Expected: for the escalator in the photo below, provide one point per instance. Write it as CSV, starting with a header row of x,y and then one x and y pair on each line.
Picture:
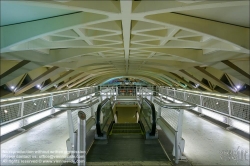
x,y
126,143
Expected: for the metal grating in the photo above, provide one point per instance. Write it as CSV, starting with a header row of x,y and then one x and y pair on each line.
x,y
10,112
73,95
215,104
83,92
171,93
179,95
59,99
240,110
36,105
171,116
195,99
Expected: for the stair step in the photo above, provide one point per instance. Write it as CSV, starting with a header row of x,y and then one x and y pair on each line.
x,y
129,128
126,131
126,128
126,124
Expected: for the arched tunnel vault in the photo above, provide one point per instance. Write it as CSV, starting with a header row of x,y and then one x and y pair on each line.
x,y
200,45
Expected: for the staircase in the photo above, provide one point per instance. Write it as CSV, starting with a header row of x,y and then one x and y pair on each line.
x,y
126,145
126,128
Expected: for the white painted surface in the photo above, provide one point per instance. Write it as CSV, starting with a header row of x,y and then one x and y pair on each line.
x,y
50,135
209,144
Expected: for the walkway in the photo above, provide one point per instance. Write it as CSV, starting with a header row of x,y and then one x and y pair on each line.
x,y
206,143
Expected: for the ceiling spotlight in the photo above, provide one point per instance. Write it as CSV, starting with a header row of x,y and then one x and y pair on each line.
x,y
38,86
5,111
12,87
238,86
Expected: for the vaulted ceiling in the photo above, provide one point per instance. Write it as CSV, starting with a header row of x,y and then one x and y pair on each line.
x,y
53,45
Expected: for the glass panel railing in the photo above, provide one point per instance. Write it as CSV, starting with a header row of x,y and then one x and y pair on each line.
x,y
104,117
148,117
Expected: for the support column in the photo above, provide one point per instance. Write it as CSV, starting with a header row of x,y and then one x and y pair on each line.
x,y
51,105
81,144
21,115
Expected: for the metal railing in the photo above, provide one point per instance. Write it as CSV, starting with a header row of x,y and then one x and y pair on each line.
x,y
104,117
18,112
170,119
226,110
76,140
231,108
148,118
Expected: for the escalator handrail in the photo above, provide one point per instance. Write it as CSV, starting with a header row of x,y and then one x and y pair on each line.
x,y
98,117
152,107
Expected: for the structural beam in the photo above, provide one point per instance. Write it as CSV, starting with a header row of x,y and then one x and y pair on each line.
x,y
126,7
18,71
180,78
196,80
80,81
239,36
219,82
49,73
10,35
236,68
71,80
60,79
14,68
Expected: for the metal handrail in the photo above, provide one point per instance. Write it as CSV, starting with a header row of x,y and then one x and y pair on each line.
x,y
175,105
152,107
48,94
73,106
98,117
208,108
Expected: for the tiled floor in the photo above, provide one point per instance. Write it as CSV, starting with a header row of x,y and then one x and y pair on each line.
x,y
206,143
50,135
209,144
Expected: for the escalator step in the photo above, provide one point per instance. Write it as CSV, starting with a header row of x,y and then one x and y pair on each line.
x,y
126,131
126,127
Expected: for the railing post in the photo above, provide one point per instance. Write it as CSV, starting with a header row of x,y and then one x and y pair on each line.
x,y
117,91
159,112
21,115
174,96
92,108
78,95
86,91
151,96
67,94
199,107
176,148
100,95
78,92
136,92
81,143
229,110
75,147
71,129
51,105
